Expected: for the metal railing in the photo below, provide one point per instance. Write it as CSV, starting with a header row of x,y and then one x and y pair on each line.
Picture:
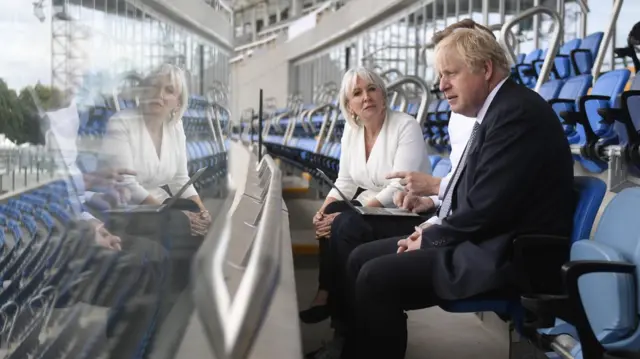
x,y
558,33
424,98
232,323
606,39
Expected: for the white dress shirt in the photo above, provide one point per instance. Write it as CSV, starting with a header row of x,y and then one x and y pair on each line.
x,y
399,147
459,134
128,144
61,140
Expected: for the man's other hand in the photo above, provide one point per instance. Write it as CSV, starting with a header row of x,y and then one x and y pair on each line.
x,y
413,203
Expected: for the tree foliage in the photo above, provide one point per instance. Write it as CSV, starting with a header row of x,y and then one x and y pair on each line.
x,y
19,120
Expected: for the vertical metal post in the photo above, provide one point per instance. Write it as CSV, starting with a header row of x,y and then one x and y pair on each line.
x,y
536,26
260,128
201,65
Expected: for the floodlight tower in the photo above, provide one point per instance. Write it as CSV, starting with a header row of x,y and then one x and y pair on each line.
x,y
68,57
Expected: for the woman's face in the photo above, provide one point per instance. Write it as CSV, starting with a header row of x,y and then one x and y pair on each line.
x,y
162,97
366,100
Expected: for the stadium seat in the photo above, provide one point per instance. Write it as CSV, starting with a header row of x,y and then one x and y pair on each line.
x,y
593,132
601,300
590,192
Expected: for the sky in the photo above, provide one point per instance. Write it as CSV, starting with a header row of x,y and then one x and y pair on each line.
x,y
26,45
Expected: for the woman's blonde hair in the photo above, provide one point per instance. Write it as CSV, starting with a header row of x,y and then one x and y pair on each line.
x,y
178,79
475,47
348,83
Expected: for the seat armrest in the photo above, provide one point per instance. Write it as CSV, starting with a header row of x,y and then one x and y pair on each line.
x,y
571,273
538,260
543,309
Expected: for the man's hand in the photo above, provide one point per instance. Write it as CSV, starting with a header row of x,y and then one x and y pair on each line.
x,y
104,238
413,203
417,183
105,178
414,241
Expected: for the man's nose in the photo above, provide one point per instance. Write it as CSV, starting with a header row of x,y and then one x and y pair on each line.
x,y
444,85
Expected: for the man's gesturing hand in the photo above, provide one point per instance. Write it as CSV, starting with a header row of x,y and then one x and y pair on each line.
x,y
417,183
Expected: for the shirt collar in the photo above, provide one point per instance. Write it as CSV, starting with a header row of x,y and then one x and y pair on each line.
x,y
488,100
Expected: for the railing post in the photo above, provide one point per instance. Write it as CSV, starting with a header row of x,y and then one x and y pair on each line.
x,y
260,119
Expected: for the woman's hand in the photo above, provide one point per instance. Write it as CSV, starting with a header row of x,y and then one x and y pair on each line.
x,y
199,222
317,218
323,227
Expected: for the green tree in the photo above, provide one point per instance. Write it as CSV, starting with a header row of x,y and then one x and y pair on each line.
x,y
49,99
11,113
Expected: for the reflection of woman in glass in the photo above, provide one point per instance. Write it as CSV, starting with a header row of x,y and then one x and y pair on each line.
x,y
151,140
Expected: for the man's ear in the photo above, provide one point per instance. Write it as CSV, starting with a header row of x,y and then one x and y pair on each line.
x,y
488,70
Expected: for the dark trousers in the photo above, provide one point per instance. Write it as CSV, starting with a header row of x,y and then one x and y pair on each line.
x,y
349,231
382,226
381,286
324,255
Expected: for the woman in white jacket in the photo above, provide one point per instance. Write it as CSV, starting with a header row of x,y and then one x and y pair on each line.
x,y
376,141
151,140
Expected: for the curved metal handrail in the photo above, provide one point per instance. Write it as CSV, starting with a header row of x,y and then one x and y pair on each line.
x,y
233,324
312,112
512,38
424,100
553,48
391,71
606,39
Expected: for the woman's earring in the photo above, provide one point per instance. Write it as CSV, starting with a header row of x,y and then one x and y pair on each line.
x,y
173,114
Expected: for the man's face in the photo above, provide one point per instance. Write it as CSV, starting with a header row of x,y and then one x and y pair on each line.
x,y
465,89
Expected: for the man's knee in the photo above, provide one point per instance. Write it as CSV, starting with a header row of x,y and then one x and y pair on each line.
x,y
357,260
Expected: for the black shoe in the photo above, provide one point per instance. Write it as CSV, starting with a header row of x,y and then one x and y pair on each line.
x,y
315,314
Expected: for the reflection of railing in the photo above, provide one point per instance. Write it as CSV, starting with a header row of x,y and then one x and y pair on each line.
x,y
24,167
232,321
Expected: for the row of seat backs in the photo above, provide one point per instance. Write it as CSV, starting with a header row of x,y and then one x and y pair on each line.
x,y
200,149
93,120
574,58
610,85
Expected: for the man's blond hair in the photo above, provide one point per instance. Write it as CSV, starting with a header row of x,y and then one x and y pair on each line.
x,y
474,47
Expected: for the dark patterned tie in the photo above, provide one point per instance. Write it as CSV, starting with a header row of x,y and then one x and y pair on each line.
x,y
448,196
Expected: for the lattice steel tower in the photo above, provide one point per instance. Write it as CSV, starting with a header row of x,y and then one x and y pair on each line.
x,y
68,56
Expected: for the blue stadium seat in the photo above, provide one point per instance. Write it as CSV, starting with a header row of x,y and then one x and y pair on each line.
x,y
434,161
590,192
601,300
550,89
592,130
442,168
568,99
582,58
522,69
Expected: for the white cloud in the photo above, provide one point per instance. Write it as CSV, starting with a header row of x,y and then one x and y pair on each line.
x,y
26,45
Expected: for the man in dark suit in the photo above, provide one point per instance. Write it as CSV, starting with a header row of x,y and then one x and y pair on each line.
x,y
514,178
